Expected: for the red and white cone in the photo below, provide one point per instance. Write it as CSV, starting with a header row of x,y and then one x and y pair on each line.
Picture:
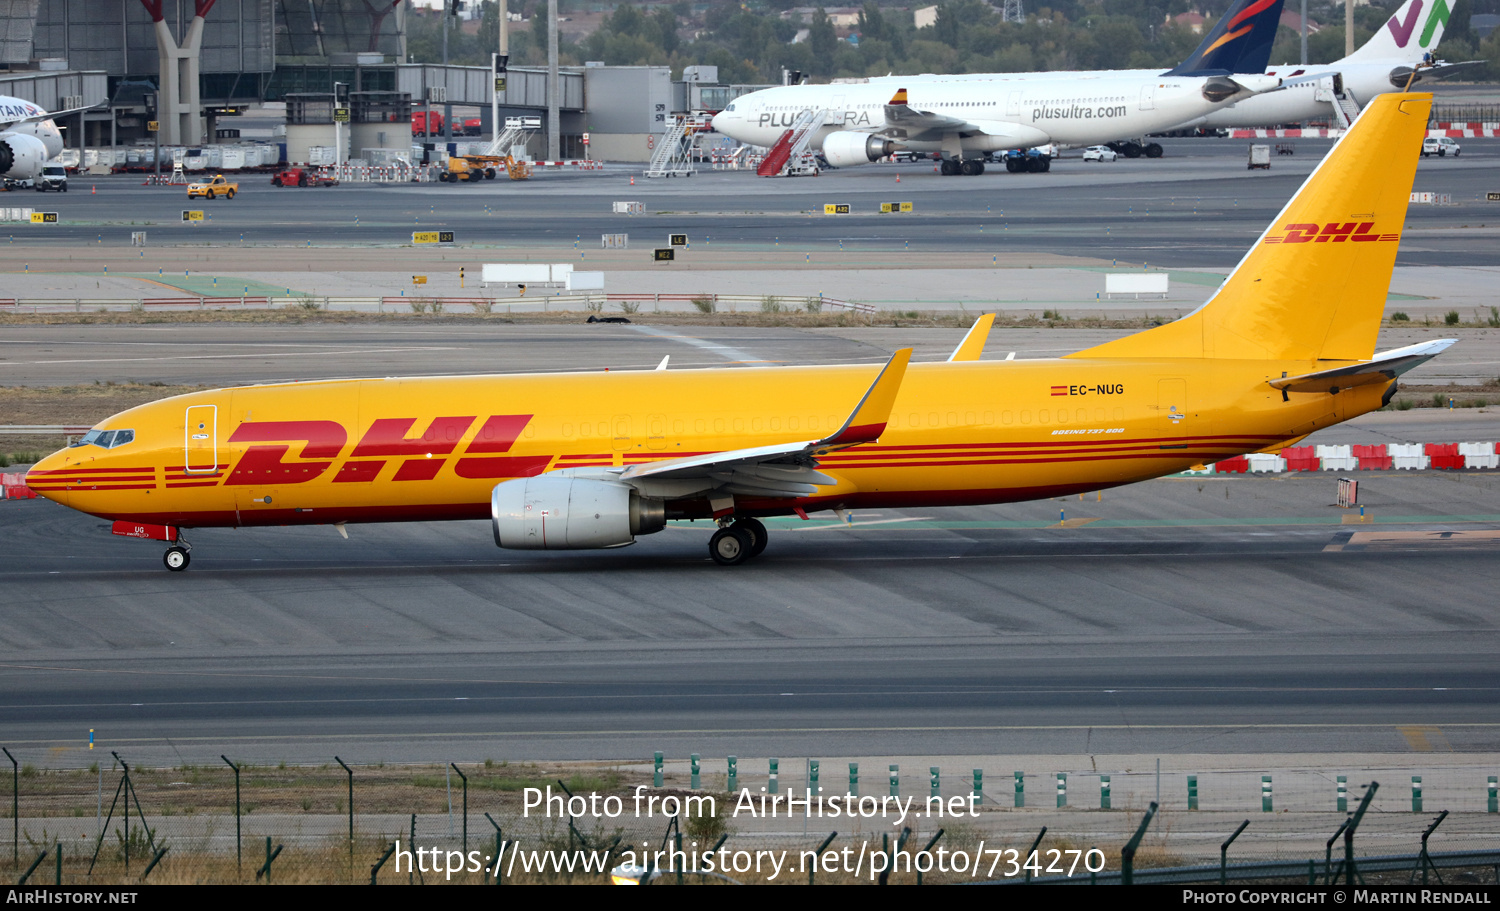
x,y
632,180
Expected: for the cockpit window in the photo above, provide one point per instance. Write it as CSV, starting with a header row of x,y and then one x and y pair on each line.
x,y
106,439
730,108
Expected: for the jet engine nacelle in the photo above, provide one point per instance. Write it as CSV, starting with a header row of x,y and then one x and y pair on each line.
x,y
1222,88
562,513
21,156
847,148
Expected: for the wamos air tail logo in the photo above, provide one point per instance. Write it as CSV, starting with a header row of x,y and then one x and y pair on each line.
x,y
1333,232
1402,31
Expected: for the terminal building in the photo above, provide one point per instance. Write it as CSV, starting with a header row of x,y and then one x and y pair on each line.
x,y
192,67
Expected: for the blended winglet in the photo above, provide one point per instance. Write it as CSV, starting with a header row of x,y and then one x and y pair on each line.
x,y
973,344
867,422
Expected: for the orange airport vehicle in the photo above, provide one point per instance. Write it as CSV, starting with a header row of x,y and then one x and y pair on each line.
x,y
216,187
589,460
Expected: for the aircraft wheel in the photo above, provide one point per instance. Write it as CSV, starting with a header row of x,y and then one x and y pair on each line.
x,y
757,532
1132,150
968,167
1154,150
176,559
949,167
730,546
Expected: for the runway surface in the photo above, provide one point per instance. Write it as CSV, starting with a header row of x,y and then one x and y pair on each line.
x,y
1198,207
1198,615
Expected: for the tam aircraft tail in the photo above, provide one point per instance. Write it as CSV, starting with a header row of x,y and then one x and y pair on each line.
x,y
1314,286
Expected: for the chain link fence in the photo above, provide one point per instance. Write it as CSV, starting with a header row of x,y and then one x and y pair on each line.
x,y
238,822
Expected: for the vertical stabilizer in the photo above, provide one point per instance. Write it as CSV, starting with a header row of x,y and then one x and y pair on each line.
x,y
1240,42
1414,29
1314,285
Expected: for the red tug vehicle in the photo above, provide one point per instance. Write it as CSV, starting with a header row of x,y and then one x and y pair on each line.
x,y
303,177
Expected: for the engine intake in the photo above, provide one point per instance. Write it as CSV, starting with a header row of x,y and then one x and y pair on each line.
x,y
847,148
562,513
21,156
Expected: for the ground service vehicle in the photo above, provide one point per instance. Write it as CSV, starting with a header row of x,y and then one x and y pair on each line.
x,y
426,123
214,188
303,177
54,177
1441,146
1260,157
475,168
592,459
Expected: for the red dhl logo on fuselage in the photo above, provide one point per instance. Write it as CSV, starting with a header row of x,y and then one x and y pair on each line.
x,y
420,458
1333,232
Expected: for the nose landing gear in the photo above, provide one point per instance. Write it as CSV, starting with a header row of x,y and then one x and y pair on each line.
x,y
177,556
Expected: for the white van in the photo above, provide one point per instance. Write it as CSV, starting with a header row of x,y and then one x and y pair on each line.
x,y
54,177
1441,146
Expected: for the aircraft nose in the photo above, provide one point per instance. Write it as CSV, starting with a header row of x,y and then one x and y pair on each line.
x,y
718,121
45,477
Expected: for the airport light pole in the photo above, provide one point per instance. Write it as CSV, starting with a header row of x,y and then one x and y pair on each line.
x,y
553,139
338,143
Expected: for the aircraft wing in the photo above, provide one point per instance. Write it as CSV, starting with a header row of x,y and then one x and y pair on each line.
x,y
781,469
1383,367
1440,70
902,121
45,115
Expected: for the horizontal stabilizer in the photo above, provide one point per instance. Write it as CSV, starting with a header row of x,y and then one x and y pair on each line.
x,y
1382,368
973,344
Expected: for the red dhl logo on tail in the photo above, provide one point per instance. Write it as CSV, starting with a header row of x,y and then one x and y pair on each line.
x,y
1333,232
421,457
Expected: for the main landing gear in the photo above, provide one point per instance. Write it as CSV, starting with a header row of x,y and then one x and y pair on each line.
x,y
737,541
969,167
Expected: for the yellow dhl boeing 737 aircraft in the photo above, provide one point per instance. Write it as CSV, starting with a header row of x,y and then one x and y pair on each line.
x,y
590,460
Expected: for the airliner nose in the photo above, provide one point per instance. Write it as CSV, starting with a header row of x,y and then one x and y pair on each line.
x,y
44,480
719,121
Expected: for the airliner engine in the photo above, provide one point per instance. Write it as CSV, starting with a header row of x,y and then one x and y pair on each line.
x,y
847,148
21,156
562,513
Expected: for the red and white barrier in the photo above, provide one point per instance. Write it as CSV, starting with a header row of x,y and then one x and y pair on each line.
x,y
13,486
1454,130
1365,457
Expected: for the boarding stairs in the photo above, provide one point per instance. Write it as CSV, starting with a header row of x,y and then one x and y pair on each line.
x,y
673,156
1345,109
790,156
515,134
